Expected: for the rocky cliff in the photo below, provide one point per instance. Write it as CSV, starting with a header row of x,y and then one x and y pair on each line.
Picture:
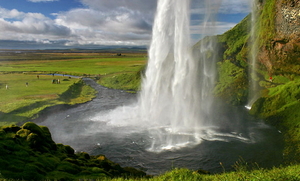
x,y
280,52
277,41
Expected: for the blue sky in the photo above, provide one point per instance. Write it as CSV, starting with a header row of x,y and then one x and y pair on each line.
x,y
90,23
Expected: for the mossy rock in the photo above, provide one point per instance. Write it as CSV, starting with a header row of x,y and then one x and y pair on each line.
x,y
23,133
28,153
11,128
49,162
97,170
83,156
68,167
33,172
34,128
69,150
4,163
72,160
62,176
34,140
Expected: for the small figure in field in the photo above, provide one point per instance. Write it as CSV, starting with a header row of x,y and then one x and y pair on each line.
x,y
38,77
271,79
26,84
6,86
53,81
58,81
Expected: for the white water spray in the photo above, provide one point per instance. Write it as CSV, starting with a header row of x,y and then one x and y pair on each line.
x,y
176,92
176,107
253,86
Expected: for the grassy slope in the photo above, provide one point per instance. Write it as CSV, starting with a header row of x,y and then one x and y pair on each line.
x,y
232,85
20,102
279,103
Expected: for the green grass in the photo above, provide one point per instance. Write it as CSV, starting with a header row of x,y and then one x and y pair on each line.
x,y
266,24
232,84
280,106
81,64
20,102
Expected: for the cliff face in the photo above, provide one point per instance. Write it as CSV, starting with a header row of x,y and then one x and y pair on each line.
x,y
281,52
277,30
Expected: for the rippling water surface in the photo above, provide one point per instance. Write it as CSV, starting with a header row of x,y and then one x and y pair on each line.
x,y
97,128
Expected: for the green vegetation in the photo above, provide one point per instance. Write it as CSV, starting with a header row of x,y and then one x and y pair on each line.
x,y
81,64
130,81
21,103
266,23
232,85
235,42
279,101
280,107
29,153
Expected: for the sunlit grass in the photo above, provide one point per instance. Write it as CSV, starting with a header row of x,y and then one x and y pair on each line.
x,y
82,64
20,102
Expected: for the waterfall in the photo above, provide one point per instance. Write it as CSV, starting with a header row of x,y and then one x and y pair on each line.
x,y
176,96
253,86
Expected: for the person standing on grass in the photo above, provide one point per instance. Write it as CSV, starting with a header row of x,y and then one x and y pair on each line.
x,y
26,84
6,86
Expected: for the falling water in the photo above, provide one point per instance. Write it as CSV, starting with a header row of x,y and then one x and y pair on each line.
x,y
176,92
175,111
253,86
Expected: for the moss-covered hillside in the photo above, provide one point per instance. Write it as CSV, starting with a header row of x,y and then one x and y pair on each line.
x,y
29,153
277,42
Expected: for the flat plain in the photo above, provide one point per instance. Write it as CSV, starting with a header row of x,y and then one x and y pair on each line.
x,y
26,78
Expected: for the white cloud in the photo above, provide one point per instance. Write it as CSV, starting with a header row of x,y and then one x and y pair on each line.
x,y
211,28
121,25
134,5
4,13
221,6
27,26
235,6
125,22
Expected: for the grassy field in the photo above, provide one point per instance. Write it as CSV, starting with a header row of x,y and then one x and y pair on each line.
x,y
19,102
72,63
